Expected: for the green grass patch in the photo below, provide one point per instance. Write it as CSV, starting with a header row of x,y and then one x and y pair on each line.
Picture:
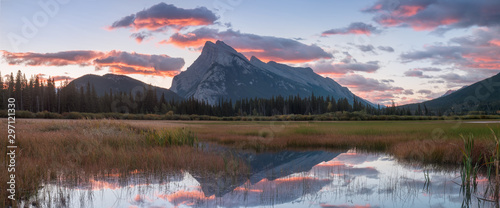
x,y
308,131
164,137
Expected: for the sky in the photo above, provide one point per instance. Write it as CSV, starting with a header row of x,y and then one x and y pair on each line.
x,y
404,51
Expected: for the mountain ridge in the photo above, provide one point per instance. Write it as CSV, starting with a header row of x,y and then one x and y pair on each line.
x,y
120,83
478,96
220,72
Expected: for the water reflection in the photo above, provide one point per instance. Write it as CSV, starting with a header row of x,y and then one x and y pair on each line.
x,y
269,166
282,179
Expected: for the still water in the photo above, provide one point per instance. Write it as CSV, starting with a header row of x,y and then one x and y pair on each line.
x,y
281,179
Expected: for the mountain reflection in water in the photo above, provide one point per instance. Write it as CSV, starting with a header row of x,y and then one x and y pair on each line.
x,y
280,179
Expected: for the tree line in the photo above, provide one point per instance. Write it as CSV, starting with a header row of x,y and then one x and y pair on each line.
x,y
37,95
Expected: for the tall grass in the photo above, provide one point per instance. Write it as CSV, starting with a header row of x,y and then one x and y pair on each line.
x,y
407,140
471,168
73,150
493,170
164,137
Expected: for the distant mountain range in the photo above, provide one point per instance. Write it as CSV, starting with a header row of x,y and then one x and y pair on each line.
x,y
480,96
120,83
220,72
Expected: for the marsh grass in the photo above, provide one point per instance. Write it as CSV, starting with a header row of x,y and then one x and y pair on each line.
x,y
407,140
308,131
78,149
472,167
165,137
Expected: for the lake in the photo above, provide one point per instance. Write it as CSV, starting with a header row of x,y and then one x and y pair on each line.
x,y
340,179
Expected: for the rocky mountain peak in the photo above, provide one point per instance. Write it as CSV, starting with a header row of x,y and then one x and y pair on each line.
x,y
220,72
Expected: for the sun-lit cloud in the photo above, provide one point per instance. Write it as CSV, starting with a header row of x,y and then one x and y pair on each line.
x,y
474,54
119,62
82,58
162,15
353,28
134,63
266,48
439,15
141,36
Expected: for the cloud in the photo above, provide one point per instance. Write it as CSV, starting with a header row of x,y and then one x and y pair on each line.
x,y
416,73
328,67
266,48
370,66
456,78
117,61
428,69
362,84
141,36
386,48
439,15
353,28
439,54
134,63
436,82
348,58
82,58
426,92
162,15
408,92
62,78
366,48
473,52
376,91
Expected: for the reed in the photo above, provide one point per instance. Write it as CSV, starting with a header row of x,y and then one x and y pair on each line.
x,y
79,149
470,168
163,137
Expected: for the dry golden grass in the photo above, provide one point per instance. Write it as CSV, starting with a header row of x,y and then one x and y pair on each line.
x,y
63,148
421,141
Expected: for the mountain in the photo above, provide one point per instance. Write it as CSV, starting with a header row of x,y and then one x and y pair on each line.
x,y
452,91
448,92
119,83
480,96
220,72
